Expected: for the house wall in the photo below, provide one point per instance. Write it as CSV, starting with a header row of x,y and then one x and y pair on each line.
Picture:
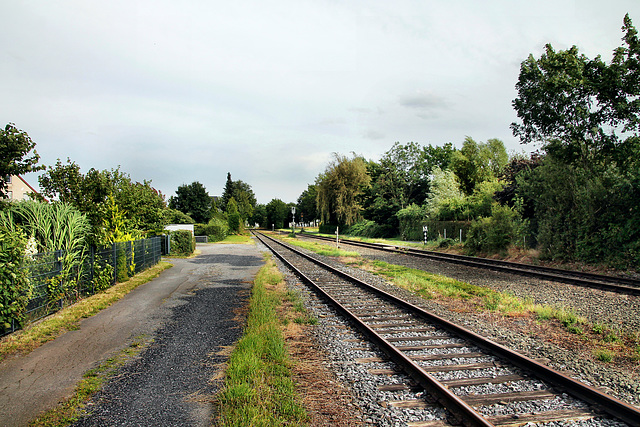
x,y
18,188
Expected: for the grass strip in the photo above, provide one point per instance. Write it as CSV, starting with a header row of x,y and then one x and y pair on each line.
x,y
320,249
69,318
259,389
69,411
236,239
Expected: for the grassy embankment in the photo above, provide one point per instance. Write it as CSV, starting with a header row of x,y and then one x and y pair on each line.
x,y
606,341
236,238
259,389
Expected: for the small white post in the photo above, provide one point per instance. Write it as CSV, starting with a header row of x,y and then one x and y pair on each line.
x,y
337,240
461,235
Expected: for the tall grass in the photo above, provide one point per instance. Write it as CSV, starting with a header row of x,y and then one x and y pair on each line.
x,y
259,390
55,226
321,249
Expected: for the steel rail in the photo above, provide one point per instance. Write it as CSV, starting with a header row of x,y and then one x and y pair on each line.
x,y
613,406
610,283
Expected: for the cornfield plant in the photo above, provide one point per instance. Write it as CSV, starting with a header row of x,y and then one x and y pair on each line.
x,y
56,226
53,227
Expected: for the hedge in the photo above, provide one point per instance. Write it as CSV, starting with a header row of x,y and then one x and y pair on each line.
x,y
182,242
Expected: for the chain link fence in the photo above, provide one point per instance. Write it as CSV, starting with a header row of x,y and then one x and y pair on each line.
x,y
55,284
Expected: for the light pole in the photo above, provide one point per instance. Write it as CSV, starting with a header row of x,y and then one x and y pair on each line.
x,y
293,212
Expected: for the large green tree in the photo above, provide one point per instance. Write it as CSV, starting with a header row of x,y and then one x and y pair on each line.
x,y
585,113
277,213
340,188
259,216
477,162
306,208
243,195
581,109
17,155
401,178
193,200
445,201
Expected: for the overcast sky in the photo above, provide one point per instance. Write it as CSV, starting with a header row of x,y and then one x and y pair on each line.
x,y
183,91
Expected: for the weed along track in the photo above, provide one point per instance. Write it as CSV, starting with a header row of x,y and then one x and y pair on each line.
x,y
433,372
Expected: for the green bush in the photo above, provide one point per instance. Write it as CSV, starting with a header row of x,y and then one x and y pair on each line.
x,y
411,219
102,276
199,229
367,228
182,242
493,234
58,288
173,216
217,229
445,243
121,262
235,223
328,229
15,289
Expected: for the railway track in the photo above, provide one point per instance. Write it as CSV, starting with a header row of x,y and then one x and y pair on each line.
x,y
457,368
624,285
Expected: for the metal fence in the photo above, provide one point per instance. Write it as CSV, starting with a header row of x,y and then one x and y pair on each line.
x,y
99,269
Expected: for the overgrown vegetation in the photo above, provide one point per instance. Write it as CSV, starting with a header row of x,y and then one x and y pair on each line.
x,y
573,200
15,289
339,188
216,229
104,197
258,389
321,249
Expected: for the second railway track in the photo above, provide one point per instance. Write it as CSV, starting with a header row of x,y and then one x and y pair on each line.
x,y
457,368
625,285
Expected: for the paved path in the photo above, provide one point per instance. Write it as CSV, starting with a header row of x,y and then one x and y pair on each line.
x,y
189,312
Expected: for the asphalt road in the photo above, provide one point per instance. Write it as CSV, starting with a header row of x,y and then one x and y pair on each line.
x,y
189,313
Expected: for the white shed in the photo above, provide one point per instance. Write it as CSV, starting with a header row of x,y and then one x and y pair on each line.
x,y
175,227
